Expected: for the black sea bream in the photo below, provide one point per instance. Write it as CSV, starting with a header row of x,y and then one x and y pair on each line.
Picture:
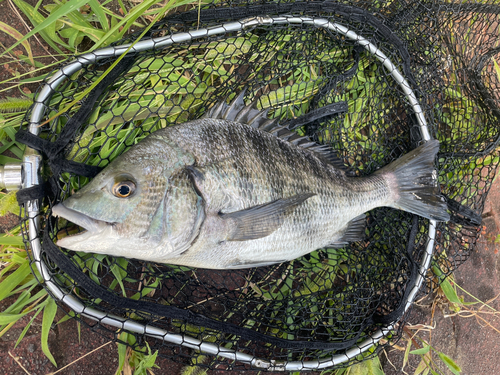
x,y
232,190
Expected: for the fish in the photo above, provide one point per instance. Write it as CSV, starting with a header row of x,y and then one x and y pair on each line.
x,y
235,189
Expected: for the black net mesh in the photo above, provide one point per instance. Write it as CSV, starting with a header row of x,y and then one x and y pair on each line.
x,y
331,303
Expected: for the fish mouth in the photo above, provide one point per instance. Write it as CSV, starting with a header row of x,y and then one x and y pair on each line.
x,y
92,227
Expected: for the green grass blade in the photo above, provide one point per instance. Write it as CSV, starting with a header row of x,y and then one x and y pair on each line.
x,y
421,351
9,318
25,330
49,314
126,22
6,160
122,351
454,368
36,18
70,6
37,296
114,33
19,304
446,286
11,241
369,367
13,280
8,203
119,271
101,16
74,16
94,34
18,36
96,82
66,317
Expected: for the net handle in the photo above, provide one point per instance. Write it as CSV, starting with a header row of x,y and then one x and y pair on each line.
x,y
32,162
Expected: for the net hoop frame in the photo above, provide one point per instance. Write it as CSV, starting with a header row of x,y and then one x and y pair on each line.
x,y
32,162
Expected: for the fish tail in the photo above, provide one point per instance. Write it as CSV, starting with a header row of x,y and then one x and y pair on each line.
x,y
413,183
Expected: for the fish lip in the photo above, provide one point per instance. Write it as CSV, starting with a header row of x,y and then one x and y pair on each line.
x,y
86,222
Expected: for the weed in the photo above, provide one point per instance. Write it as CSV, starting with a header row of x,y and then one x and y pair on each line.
x,y
70,27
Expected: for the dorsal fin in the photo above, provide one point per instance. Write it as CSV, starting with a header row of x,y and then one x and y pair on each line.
x,y
250,115
239,112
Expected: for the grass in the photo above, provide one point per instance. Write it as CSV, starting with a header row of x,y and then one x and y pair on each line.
x,y
452,299
66,27
180,82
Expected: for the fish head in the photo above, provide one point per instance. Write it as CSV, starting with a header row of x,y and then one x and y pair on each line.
x,y
122,210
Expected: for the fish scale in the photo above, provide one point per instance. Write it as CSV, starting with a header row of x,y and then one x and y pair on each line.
x,y
283,179
218,193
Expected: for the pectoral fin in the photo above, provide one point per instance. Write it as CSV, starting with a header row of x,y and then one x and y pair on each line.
x,y
260,221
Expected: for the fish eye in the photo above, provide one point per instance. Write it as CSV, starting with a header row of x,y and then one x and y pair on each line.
x,y
123,189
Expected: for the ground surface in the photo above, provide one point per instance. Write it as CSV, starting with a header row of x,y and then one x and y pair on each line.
x,y
470,341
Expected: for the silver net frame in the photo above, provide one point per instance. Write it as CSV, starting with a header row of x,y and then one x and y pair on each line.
x,y
32,162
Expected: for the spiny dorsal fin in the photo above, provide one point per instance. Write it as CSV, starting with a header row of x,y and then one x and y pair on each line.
x,y
247,114
239,112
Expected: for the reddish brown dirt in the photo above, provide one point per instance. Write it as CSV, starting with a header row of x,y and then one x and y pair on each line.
x,y
10,67
473,343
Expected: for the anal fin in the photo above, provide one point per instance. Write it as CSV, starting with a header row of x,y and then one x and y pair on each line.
x,y
355,231
262,220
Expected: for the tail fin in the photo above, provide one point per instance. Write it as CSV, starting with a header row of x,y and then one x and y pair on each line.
x,y
413,181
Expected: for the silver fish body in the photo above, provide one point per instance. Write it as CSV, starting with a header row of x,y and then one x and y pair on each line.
x,y
237,192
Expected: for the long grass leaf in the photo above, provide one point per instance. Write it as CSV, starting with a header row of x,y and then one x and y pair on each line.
x,y
74,16
49,313
36,18
6,269
122,353
446,286
28,309
42,293
96,82
421,351
452,366
70,6
19,304
91,32
114,33
13,280
101,16
19,82
18,36
25,330
52,33
9,318
11,241
126,22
